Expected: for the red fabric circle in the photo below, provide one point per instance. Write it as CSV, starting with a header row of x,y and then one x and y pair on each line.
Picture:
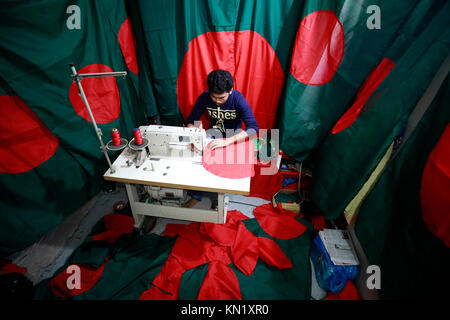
x,y
102,95
248,57
127,44
319,48
235,161
26,141
435,189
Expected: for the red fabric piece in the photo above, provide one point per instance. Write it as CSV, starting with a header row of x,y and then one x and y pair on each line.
x,y
278,222
89,277
318,222
350,292
235,161
435,189
174,229
255,60
127,44
369,86
318,49
219,245
265,186
271,253
13,268
102,95
26,141
116,225
220,276
245,250
190,250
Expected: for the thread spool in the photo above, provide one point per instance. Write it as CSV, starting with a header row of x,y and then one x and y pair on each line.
x,y
137,136
115,136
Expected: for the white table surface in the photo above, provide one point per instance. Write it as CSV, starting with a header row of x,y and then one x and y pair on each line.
x,y
174,173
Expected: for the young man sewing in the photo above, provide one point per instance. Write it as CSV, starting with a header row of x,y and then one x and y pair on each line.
x,y
227,109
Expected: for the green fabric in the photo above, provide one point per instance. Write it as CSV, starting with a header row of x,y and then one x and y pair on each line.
x,y
346,160
266,282
390,227
36,49
135,260
286,197
191,281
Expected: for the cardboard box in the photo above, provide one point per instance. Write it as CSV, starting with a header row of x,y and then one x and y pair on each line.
x,y
296,207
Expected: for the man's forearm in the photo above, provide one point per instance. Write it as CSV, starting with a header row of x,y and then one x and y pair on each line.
x,y
241,136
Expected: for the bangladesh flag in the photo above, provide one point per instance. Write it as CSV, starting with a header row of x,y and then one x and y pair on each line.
x,y
50,162
337,46
379,114
185,40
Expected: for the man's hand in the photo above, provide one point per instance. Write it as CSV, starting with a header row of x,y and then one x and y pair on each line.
x,y
219,143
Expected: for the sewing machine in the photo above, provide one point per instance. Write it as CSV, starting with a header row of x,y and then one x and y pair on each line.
x,y
175,142
169,164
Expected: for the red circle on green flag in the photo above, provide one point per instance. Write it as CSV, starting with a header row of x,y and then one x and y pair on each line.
x,y
102,95
26,141
435,189
235,161
247,56
127,44
319,48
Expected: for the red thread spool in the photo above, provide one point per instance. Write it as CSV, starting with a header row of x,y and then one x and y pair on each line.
x,y
137,136
115,136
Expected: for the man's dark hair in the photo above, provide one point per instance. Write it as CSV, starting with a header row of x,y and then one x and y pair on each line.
x,y
219,81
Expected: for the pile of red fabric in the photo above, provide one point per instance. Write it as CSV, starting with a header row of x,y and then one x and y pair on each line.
x,y
219,245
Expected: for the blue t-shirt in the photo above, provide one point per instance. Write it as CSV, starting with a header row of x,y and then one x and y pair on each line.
x,y
228,116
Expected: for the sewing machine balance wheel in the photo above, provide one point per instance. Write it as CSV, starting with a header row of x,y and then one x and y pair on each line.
x,y
111,147
134,146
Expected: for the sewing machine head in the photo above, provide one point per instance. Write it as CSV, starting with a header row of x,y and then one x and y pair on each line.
x,y
175,142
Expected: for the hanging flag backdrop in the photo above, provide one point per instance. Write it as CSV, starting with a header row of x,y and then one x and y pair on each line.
x,y
185,40
339,78
347,157
50,162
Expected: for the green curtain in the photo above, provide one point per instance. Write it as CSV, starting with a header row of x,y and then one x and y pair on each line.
x,y
36,48
390,226
345,160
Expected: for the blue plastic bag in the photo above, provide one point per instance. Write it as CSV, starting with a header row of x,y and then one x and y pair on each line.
x,y
330,276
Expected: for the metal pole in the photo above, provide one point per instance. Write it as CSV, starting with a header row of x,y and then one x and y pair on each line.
x,y
78,77
102,74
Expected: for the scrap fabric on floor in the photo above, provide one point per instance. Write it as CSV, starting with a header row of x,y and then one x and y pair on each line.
x,y
118,265
236,260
